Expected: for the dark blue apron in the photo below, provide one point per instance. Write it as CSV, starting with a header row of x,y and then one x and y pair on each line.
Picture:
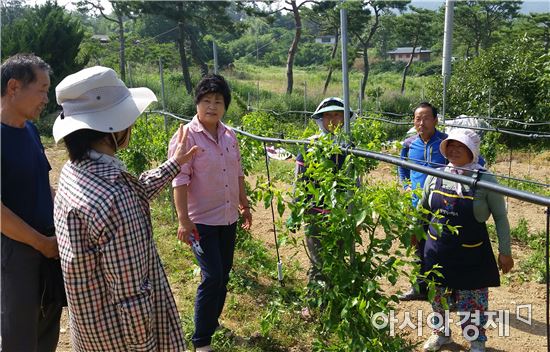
x,y
466,258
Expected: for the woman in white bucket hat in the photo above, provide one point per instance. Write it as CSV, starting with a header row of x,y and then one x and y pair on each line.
x,y
329,116
118,294
465,258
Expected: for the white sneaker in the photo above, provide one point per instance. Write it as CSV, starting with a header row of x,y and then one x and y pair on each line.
x,y
435,342
477,346
204,349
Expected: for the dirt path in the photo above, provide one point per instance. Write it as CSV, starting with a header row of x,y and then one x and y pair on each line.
x,y
521,336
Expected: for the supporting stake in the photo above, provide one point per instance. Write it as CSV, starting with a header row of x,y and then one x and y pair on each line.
x,y
279,262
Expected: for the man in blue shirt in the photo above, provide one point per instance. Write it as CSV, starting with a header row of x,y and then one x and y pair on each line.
x,y
422,149
30,315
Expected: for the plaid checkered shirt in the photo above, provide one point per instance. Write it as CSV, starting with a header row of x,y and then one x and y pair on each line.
x,y
119,296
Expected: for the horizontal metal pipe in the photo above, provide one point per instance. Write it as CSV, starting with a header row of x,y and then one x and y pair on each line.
x,y
470,181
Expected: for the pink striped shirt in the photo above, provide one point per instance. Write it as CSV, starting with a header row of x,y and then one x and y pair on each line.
x,y
212,176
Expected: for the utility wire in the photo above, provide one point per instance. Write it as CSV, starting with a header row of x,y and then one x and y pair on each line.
x,y
465,116
282,113
512,121
513,132
275,37
528,134
387,113
128,44
291,141
479,171
470,181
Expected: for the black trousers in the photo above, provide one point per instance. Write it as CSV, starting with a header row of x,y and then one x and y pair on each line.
x,y
218,244
28,322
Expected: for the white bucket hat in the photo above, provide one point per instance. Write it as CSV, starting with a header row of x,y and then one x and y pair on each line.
x,y
465,136
94,98
329,104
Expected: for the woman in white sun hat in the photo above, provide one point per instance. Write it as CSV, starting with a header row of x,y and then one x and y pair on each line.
x,y
118,294
466,258
328,116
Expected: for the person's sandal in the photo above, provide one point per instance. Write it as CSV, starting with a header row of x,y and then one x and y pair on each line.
x,y
413,295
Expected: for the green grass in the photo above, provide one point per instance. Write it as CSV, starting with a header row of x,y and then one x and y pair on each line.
x,y
532,267
311,82
261,314
521,231
279,170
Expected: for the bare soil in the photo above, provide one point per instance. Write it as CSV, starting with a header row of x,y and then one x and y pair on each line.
x,y
509,297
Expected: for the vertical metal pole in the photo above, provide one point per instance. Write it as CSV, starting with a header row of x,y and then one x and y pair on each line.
x,y
447,53
215,53
360,105
489,108
444,107
345,78
509,165
345,86
305,103
257,54
529,166
147,126
258,92
130,75
161,72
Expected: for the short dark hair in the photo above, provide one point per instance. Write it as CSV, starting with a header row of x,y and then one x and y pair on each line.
x,y
213,83
425,104
21,67
79,142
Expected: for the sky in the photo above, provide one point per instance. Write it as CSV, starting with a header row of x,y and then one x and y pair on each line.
x,y
527,6
68,4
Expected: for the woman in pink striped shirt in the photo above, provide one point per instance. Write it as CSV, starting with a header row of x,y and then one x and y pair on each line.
x,y
209,194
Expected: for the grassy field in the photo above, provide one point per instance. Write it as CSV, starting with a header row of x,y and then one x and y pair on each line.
x,y
311,81
264,87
